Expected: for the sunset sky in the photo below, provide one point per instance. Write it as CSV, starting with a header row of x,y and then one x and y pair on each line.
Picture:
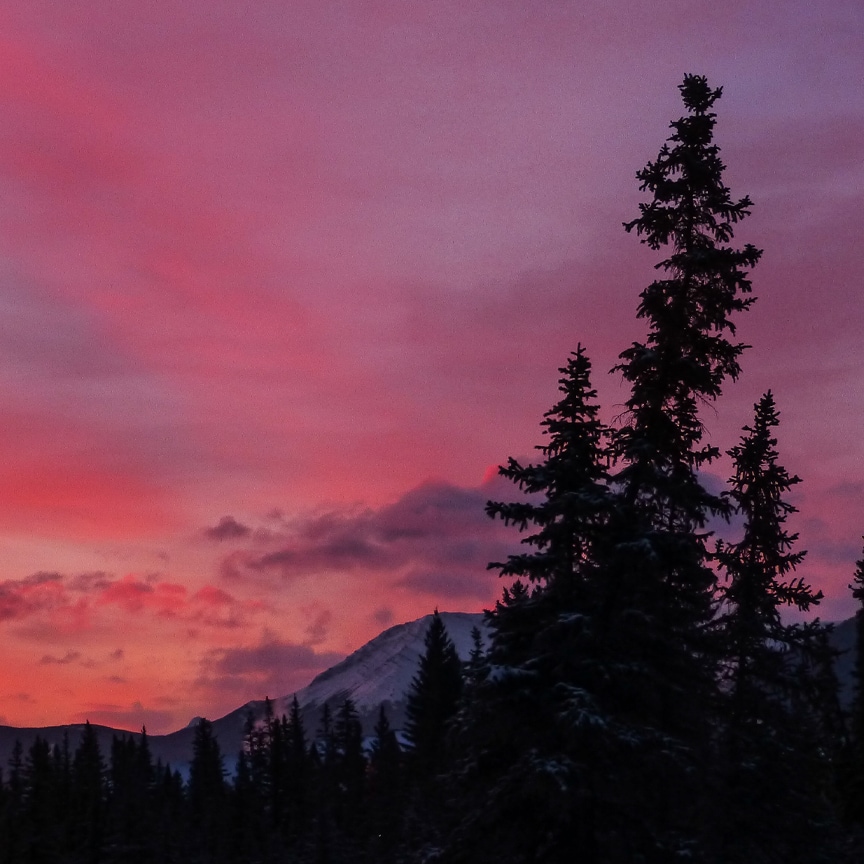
x,y
282,282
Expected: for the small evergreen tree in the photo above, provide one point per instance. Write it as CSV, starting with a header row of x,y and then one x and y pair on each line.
x,y
852,779
385,789
772,758
433,699
41,816
87,824
297,770
207,794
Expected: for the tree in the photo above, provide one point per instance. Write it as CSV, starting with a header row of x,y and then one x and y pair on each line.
x,y
87,824
529,696
433,699
853,778
572,481
385,789
130,806
297,770
773,757
207,793
42,815
659,584
350,774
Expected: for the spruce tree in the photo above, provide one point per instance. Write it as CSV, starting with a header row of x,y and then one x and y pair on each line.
x,y
297,769
773,769
853,774
87,823
207,795
41,813
659,585
527,731
433,699
385,789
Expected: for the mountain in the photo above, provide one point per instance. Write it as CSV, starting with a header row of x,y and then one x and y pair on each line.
x,y
379,672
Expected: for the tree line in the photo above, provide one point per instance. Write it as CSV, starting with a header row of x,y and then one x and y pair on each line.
x,y
332,795
645,696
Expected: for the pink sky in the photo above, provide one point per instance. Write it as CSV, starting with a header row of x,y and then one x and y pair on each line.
x,y
282,282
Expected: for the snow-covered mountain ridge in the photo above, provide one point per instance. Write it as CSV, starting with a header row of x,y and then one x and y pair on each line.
x,y
382,670
378,673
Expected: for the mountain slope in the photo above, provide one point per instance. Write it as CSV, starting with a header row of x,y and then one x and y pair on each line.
x,y
378,673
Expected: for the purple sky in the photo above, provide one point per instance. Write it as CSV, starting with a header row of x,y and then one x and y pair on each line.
x,y
283,282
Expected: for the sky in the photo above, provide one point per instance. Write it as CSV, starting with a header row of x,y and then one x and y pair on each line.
x,y
282,283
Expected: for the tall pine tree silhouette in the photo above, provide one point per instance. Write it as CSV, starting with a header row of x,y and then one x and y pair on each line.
x,y
660,587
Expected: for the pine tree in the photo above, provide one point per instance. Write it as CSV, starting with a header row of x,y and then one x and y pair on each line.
x,y
772,758
297,770
572,480
853,775
433,699
659,585
88,781
12,835
41,813
350,773
526,735
207,794
385,789
760,566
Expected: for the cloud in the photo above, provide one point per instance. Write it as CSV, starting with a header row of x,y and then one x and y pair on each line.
x,y
227,529
436,538
133,595
68,657
210,606
450,585
272,667
383,616
316,632
70,602
21,598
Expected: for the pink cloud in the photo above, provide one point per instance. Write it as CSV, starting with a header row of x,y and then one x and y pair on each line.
x,y
21,598
435,539
272,666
